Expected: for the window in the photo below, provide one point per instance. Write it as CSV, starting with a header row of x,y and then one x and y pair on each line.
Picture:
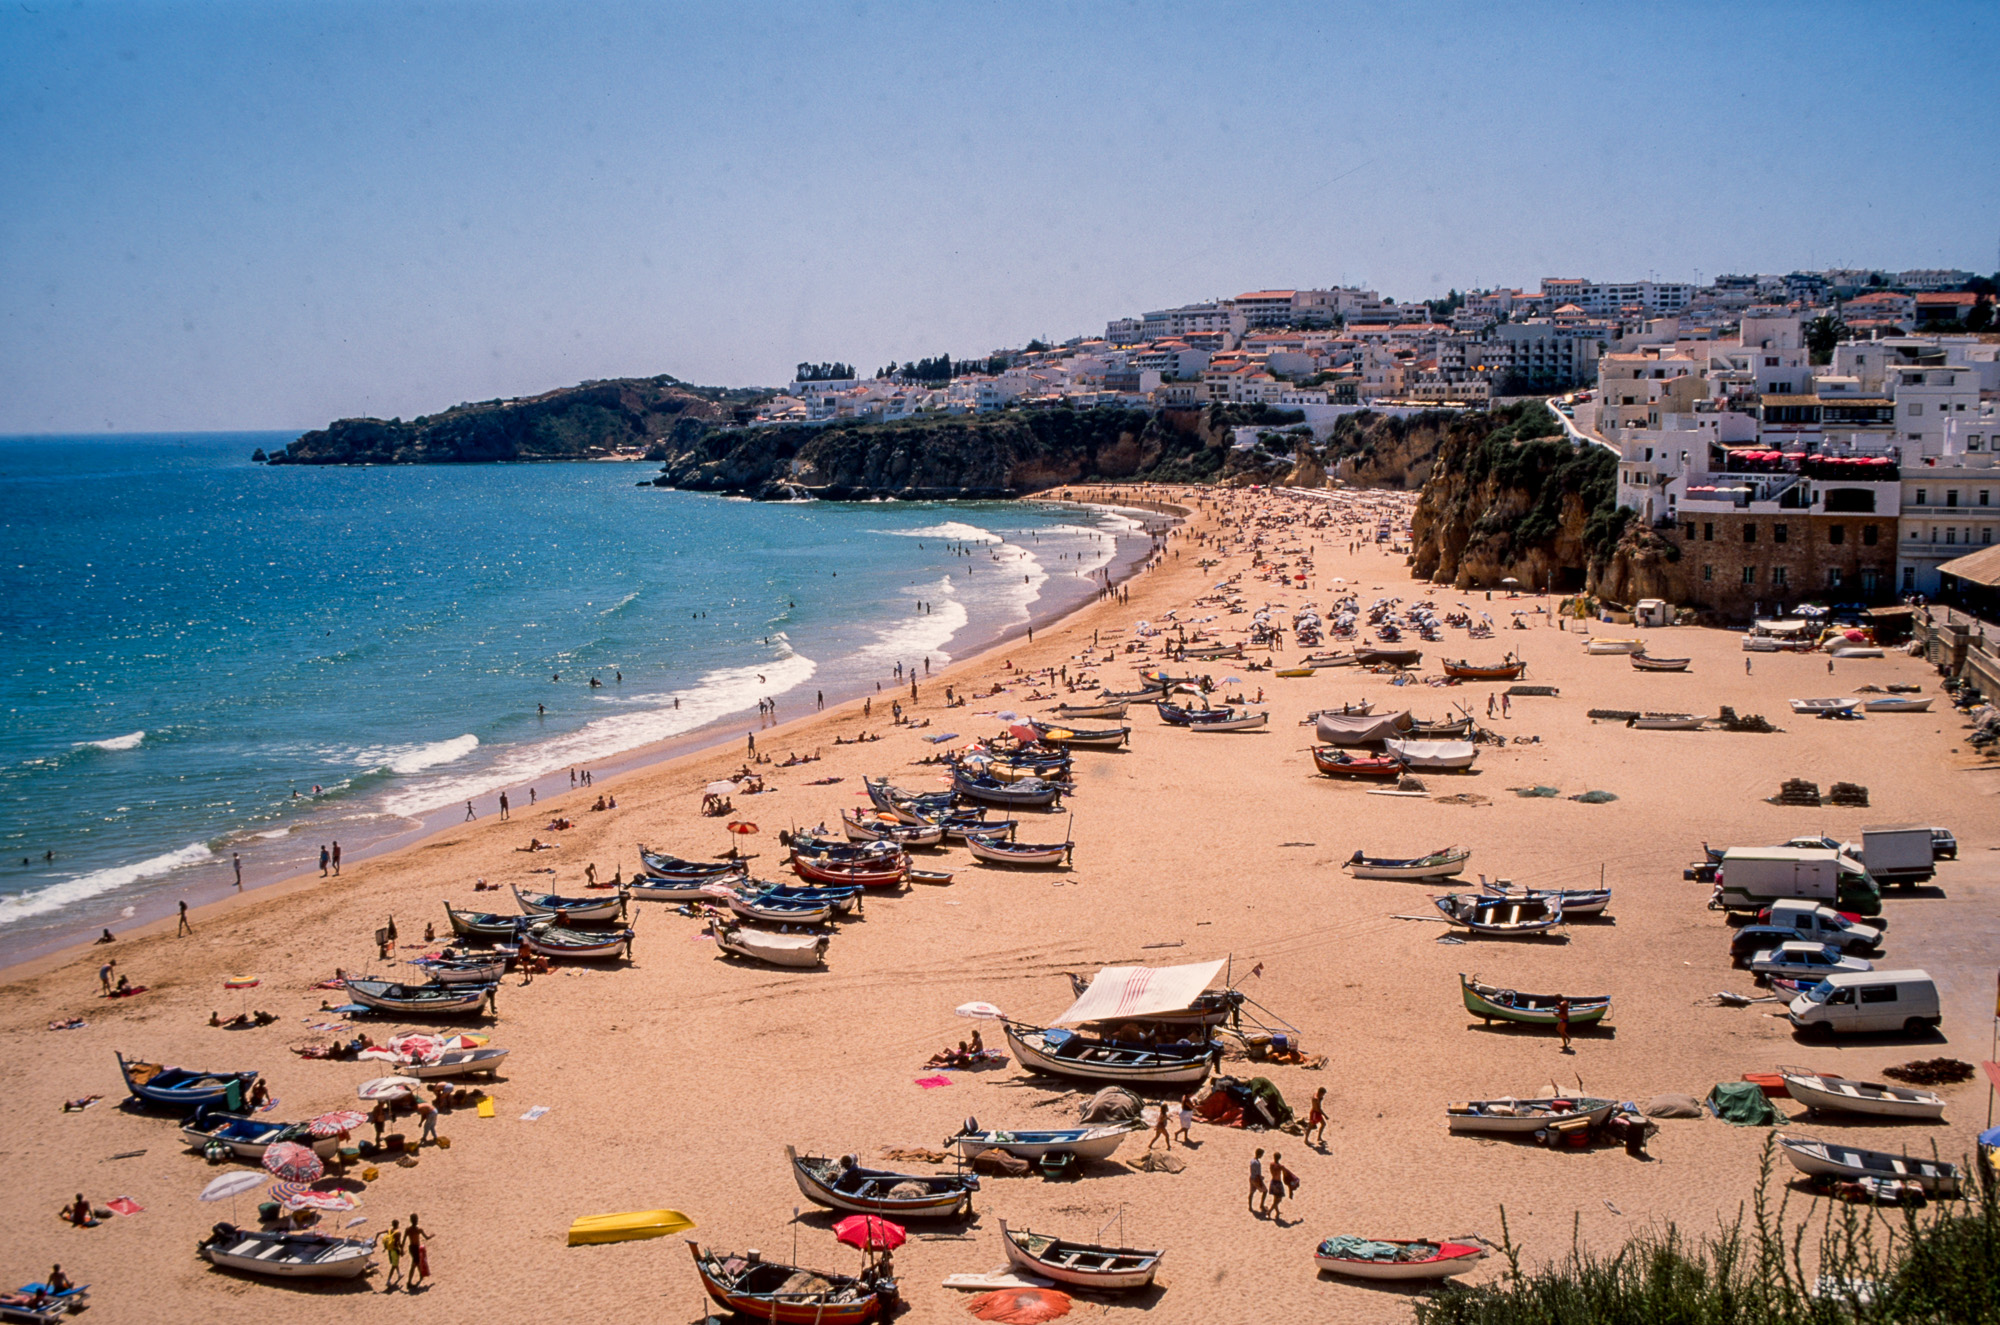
x,y
1916,408
1923,497
1770,361
1909,576
1833,577
1951,496
1878,993
1982,496
1836,534
1707,532
1780,532
1689,527
1749,575
1708,572
1986,536
1749,533
1951,533
1778,577
1868,535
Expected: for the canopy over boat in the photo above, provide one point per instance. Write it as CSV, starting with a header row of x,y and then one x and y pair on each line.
x,y
1122,992
1360,728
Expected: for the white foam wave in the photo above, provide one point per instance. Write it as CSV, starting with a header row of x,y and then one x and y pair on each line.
x,y
925,634
129,741
951,530
84,886
430,756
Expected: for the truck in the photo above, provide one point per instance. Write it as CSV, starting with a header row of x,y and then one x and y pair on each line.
x,y
1898,854
1752,878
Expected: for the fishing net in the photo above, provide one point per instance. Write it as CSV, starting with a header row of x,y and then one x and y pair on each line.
x,y
1545,792
1595,797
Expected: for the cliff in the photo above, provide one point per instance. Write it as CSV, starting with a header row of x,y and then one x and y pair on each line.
x,y
625,415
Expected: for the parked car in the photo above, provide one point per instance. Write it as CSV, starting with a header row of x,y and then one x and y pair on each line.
x,y
1943,845
1802,960
1750,940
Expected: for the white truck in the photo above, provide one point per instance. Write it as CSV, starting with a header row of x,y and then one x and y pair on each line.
x,y
1892,854
1752,878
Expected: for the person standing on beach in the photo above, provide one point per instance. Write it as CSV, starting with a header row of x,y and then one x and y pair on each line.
x,y
104,975
1746,667
185,927
392,1247
751,737
1257,1193
1562,1023
819,700
420,1261
1160,1130
531,797
236,858
1316,1119
1187,1120
324,859
336,860
469,815
503,807
1280,1182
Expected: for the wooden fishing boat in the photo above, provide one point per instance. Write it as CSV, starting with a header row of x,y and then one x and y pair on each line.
x,y
1492,1004
762,945
419,1000
1437,865
1824,1094
1096,738
1295,671
1643,663
1337,763
816,845
1000,851
486,925
1080,1264
841,897
961,824
1361,1258
1099,1142
466,970
775,909
1175,715
574,945
934,878
1229,720
1606,644
248,1138
1374,657
1509,1117
180,1087
1443,756
1502,916
1898,704
649,888
287,1255
1068,1054
1143,695
762,1290
569,909
1449,730
992,791
910,807
1470,671
863,827
662,866
1113,710
1338,659
1575,901
1208,652
842,1184
1831,1159
626,1226
450,1063
865,874
1667,722
1155,677
1821,708
1020,765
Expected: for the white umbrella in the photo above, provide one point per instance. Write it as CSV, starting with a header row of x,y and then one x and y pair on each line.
x,y
719,788
387,1088
981,1012
230,1186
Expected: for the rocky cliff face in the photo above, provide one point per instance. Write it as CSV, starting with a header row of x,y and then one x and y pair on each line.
x,y
576,423
1376,451
1644,564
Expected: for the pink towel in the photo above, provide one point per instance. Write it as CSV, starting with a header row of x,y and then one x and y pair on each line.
x,y
932,1083
125,1205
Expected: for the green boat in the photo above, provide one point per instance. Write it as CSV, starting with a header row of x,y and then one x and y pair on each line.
x,y
1495,1004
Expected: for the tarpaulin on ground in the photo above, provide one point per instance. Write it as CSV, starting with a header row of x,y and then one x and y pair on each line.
x,y
1120,992
1743,1103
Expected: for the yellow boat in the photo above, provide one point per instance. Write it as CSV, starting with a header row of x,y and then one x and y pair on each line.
x,y
627,1227
1296,671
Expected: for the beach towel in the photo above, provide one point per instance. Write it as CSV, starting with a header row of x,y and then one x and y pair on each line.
x,y
535,1113
125,1205
1743,1103
941,738
486,1107
933,1083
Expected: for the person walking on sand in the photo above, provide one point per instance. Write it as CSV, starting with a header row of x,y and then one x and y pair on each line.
x,y
391,1239
104,975
504,816
185,927
1746,667
1278,1186
1562,1023
1257,1193
469,815
420,1261
1316,1119
236,858
336,860
1160,1131
751,737
1187,1119
324,859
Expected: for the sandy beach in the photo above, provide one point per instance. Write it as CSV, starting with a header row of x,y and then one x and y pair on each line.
x,y
676,1080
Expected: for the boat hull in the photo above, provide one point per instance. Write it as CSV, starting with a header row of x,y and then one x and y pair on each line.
x,y
1036,854
1441,865
1452,1258
780,1308
1109,1063
947,1195
456,999
1825,1095
1824,1159
1125,1268
1083,1142
1336,763
1465,1120
1492,1004
288,1255
755,947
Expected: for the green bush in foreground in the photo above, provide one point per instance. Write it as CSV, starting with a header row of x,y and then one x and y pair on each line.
x,y
1843,1264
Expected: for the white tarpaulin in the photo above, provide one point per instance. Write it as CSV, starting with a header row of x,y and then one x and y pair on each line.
x,y
1360,728
1138,991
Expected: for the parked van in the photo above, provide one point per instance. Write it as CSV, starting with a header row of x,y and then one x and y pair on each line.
x,y
1868,1001
1809,920
1752,878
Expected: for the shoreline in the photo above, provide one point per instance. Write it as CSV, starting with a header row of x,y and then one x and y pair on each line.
x,y
1051,609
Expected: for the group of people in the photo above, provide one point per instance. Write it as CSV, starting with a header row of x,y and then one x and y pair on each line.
x,y
396,1240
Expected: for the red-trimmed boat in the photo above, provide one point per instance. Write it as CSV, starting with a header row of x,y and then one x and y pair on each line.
x,y
785,1294
1338,763
867,875
1467,671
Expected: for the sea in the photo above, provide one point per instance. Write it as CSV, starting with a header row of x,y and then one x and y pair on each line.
x,y
202,657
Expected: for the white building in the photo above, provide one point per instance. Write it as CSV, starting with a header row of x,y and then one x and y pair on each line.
x,y
1951,501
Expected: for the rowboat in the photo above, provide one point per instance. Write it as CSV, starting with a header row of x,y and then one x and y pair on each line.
x,y
1339,659
815,845
1643,663
1083,1264
776,909
465,970
761,945
38,1304
1508,1117
1068,1054
1667,722
653,889
1830,1159
961,824
757,1289
1495,1004
934,878
246,1137
1175,715
860,826
1209,652
423,1000
1898,704
1114,710
1099,1142
1441,755
1820,708
1337,763
1145,695
1392,1258
1503,916
1354,708
574,945
487,925
287,1255
1604,644
568,909
1228,720
152,1083
660,865
1575,901
1437,865
1824,1094
1295,671
842,1184
1000,851
991,791
841,897
1097,738
1369,657
1469,671
627,1226
866,874
911,807
1449,730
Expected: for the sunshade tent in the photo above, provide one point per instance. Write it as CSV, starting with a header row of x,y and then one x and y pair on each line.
x,y
1119,992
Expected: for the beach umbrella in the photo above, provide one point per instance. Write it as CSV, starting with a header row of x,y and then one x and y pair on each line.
x,y
298,1196
719,788
981,1012
386,1088
1020,1306
293,1162
869,1233
230,1186
242,984
337,1123
1021,732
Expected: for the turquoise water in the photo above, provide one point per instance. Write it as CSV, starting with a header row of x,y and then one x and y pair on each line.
x,y
190,639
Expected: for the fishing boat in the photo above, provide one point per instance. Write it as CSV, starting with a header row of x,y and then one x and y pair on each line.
x,y
1096,738
649,888
153,1083
842,1184
1209,652
773,908
961,824
626,1226
574,945
1295,671
1830,1159
450,1063
1358,726
1228,720
1337,763
1080,1264
1372,657
1667,722
1643,663
465,970
1452,729
1177,715
1898,704
989,790
1470,671
1437,865
1492,1004
487,925
1140,696
1606,644
1000,851
1337,659
910,807
1442,756
1099,1142
1068,1054
1575,901
287,1255
1823,708
419,1000
1510,1117
933,878
663,866
1113,710
1502,916
248,1138
761,945
568,909
757,1289
816,845
1396,1259
865,874
1824,1094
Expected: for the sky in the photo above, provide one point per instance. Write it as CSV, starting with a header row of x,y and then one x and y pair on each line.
x,y
273,214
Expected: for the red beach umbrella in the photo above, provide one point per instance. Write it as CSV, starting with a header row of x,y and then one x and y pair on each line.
x,y
293,1162
338,1123
869,1233
1020,1306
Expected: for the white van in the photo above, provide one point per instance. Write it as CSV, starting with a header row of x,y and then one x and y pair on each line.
x,y
1868,1001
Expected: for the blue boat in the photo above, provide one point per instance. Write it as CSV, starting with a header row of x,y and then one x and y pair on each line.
x,y
153,1083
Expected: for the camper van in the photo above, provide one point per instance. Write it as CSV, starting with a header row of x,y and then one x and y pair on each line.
x,y
1859,1001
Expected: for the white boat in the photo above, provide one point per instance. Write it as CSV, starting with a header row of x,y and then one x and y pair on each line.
x,y
1441,755
1575,901
287,1255
1814,708
246,1137
568,909
1000,851
452,1063
1823,1094
1099,1142
1898,704
1234,720
1856,651
1113,710
1667,722
799,950
1828,1159
1440,864
1081,1264
1508,1117
1407,1259
863,827
1068,1054
1608,644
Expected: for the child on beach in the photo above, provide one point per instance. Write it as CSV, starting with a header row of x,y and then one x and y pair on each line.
x,y
1316,1119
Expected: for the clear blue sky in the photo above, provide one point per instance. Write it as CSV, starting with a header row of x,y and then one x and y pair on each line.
x,y
274,214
